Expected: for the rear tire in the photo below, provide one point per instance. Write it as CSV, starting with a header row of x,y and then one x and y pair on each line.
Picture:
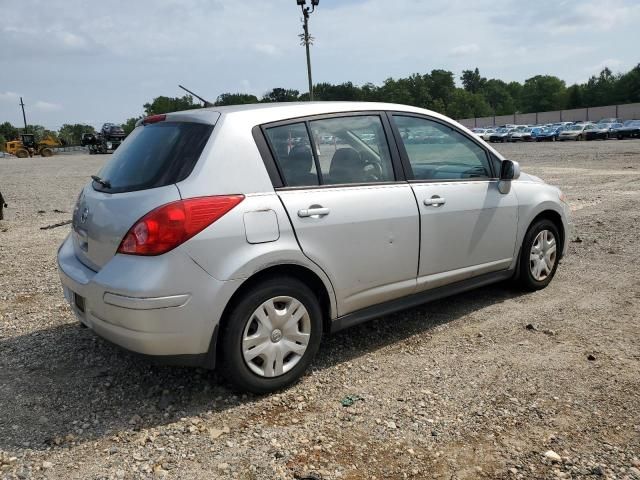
x,y
539,255
22,153
258,322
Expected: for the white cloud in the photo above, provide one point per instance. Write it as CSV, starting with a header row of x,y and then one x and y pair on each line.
x,y
266,48
462,50
73,41
9,97
46,106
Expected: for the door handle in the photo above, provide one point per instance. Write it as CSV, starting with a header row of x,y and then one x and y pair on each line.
x,y
434,201
313,212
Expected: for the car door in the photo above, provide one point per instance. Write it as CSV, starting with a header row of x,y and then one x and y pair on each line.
x,y
351,214
468,227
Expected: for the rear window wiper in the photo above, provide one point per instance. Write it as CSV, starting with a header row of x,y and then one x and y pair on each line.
x,y
104,183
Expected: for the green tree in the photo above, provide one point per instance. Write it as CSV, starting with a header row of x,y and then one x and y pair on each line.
x,y
2,142
599,90
464,104
542,93
235,99
472,80
281,95
369,93
396,91
498,96
627,88
8,131
343,91
515,90
574,96
130,124
441,87
71,134
170,104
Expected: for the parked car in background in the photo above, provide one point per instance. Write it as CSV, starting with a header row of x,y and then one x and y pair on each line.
x,y
630,129
521,135
601,131
544,134
501,135
487,134
610,120
207,238
574,132
479,131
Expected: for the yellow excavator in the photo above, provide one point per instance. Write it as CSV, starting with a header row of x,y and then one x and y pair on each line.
x,y
26,146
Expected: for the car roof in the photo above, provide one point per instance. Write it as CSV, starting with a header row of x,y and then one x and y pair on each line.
x,y
273,112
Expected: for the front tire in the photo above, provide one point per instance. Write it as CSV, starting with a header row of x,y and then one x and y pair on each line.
x,y
539,255
271,335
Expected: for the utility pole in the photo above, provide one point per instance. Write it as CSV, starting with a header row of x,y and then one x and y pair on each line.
x,y
306,38
24,117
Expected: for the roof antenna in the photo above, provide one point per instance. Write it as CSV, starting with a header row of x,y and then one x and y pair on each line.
x,y
206,102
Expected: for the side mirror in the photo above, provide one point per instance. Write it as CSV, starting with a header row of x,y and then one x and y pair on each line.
x,y
509,170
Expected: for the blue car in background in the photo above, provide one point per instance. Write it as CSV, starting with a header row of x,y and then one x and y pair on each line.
x,y
545,134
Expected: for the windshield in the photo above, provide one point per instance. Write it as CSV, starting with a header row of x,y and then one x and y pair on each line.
x,y
574,128
154,156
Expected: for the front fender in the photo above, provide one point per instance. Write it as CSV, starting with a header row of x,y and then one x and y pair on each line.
x,y
535,198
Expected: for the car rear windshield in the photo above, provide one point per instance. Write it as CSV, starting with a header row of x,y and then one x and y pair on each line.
x,y
154,156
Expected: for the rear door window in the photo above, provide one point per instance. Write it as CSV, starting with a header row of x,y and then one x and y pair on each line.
x,y
343,150
154,156
292,150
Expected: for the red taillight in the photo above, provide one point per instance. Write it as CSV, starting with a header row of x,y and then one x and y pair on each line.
x,y
170,225
154,119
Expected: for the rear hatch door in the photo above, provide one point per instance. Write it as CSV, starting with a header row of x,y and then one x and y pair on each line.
x,y
139,177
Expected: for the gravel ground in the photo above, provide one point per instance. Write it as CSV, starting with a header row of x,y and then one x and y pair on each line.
x,y
489,384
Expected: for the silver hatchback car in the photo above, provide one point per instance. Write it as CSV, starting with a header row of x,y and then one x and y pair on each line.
x,y
239,236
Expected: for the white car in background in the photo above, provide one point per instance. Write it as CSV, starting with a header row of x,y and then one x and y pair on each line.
x,y
487,134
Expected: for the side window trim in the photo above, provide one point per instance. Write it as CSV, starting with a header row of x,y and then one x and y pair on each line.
x,y
314,152
275,172
264,148
405,156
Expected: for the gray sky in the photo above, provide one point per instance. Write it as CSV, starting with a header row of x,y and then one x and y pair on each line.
x,y
100,61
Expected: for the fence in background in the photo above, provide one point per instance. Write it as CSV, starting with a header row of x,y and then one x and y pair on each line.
x,y
629,111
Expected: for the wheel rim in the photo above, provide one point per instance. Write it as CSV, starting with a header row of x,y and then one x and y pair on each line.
x,y
276,336
543,255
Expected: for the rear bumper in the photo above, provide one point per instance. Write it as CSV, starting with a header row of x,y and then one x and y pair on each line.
x,y
164,306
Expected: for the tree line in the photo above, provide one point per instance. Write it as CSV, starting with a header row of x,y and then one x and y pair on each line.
x,y
477,97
